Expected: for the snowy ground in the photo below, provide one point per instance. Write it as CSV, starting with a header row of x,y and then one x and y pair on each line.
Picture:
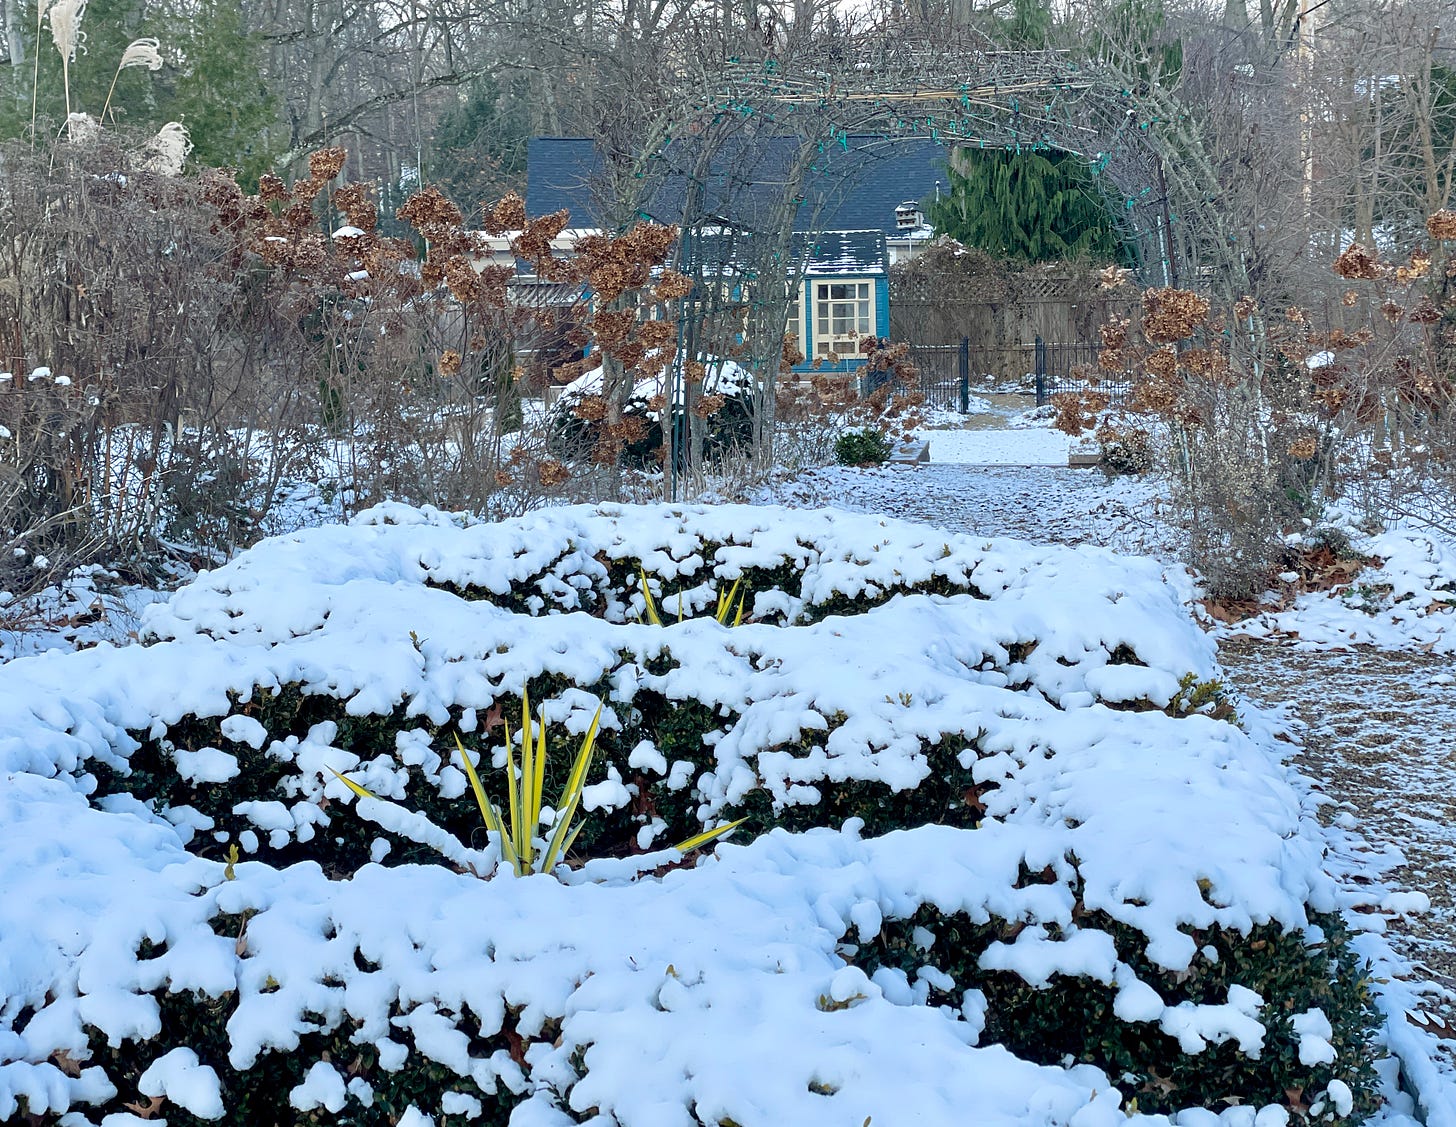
x,y
1359,684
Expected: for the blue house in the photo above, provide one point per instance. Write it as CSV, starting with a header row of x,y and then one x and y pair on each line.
x,y
860,210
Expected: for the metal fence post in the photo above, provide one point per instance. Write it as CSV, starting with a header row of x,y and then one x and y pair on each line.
x,y
1041,371
963,370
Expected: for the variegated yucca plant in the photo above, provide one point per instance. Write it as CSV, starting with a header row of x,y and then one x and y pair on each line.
x,y
516,829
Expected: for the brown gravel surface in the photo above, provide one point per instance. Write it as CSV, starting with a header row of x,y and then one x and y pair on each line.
x,y
1379,735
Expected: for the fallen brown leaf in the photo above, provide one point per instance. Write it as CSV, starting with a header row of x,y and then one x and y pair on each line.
x,y
148,1109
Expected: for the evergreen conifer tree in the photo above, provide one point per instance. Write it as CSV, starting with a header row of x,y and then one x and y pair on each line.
x,y
210,80
480,145
1032,206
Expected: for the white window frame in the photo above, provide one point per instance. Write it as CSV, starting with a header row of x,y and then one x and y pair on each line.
x,y
795,323
844,313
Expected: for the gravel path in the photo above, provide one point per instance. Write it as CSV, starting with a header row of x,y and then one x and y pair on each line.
x,y
1379,736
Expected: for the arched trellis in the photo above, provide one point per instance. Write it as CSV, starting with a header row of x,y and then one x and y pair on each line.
x,y
1144,153
1138,144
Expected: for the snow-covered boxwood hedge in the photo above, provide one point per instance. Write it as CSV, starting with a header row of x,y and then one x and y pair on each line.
x,y
1003,848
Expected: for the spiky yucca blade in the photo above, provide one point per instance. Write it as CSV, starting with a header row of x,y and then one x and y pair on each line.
x,y
571,840
540,767
362,792
652,615
706,836
480,800
513,806
525,815
725,602
571,795
738,618
488,813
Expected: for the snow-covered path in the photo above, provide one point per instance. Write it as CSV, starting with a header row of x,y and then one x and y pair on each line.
x,y
1048,503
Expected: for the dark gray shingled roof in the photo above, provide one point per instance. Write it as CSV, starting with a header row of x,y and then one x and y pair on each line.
x,y
854,186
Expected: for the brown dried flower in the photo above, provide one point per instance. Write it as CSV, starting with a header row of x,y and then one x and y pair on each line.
x,y
1441,225
1207,363
356,201
552,473
1358,263
1114,333
1163,363
672,286
431,214
708,405
592,408
271,188
1112,277
1172,315
324,164
509,214
450,362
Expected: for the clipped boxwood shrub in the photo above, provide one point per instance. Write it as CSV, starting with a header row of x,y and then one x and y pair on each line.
x,y
867,447
1076,1018
363,1090
887,680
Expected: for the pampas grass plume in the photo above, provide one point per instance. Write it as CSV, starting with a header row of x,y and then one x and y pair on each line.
x,y
143,52
66,34
166,153
66,26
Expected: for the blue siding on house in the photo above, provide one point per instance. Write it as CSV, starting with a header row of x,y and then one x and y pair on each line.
x,y
881,325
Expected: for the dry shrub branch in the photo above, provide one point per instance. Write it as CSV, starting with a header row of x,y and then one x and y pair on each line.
x,y
179,354
1266,415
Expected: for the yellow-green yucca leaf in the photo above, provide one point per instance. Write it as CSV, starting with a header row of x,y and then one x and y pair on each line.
x,y
362,792
571,795
488,813
538,784
521,848
706,836
652,615
725,603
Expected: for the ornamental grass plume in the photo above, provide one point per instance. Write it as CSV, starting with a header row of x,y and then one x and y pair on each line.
x,y
66,34
166,153
143,52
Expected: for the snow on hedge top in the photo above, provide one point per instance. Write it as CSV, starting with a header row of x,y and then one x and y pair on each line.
x,y
1075,600
1166,823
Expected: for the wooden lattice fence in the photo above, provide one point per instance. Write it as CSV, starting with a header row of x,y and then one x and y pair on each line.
x,y
949,293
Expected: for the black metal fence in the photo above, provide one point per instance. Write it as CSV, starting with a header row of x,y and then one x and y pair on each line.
x,y
945,374
1058,366
1051,367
